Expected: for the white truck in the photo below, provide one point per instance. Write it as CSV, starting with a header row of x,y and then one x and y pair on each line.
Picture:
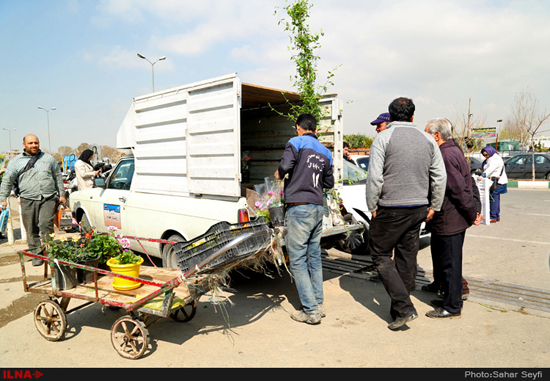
x,y
184,172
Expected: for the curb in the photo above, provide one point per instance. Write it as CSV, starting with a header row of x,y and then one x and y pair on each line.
x,y
529,184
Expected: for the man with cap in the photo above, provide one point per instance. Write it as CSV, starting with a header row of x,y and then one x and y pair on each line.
x,y
381,122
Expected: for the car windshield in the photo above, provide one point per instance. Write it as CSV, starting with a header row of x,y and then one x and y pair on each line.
x,y
353,174
363,163
122,176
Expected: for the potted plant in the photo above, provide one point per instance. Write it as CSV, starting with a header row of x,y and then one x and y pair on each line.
x,y
125,263
65,250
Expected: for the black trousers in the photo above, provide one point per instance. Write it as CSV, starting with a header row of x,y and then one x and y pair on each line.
x,y
396,231
447,262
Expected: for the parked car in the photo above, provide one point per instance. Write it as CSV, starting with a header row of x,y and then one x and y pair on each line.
x,y
354,202
475,164
521,166
362,161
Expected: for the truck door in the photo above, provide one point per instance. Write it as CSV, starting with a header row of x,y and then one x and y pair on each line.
x,y
213,160
113,199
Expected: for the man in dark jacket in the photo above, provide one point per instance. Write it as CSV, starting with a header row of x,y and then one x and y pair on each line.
x,y
448,226
308,164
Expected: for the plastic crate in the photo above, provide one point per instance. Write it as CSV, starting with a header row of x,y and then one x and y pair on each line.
x,y
192,253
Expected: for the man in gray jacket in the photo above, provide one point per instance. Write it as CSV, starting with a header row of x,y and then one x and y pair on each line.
x,y
405,186
40,187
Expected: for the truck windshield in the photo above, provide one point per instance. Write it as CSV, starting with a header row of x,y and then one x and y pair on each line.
x,y
353,174
122,176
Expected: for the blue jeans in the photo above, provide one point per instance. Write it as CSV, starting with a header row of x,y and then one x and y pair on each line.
x,y
303,244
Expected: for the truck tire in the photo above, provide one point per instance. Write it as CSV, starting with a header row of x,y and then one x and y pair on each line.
x,y
169,258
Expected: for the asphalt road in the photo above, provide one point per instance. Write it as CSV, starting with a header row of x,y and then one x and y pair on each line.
x,y
252,328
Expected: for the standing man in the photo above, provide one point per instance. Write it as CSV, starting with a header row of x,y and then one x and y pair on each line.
x,y
39,187
308,164
405,186
448,226
381,122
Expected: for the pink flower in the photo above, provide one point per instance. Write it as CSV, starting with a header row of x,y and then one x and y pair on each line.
x,y
248,158
271,193
258,204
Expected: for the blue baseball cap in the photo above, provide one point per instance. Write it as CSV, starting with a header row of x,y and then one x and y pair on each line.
x,y
384,117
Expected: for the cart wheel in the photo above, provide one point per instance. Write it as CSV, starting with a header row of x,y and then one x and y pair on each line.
x,y
129,337
184,313
50,320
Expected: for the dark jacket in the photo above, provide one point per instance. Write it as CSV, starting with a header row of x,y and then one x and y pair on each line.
x,y
459,207
308,164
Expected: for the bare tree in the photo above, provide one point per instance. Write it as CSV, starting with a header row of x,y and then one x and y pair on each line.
x,y
528,120
463,126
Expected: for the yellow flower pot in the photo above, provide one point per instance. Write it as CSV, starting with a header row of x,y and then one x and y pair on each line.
x,y
131,269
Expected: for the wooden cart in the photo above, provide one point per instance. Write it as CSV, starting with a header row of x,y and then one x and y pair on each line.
x,y
175,291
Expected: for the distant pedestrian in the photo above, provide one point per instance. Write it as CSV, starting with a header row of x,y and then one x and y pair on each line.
x,y
381,122
494,169
308,164
84,170
448,226
347,155
41,187
405,187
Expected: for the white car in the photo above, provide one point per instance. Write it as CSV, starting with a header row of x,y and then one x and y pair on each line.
x,y
354,200
362,161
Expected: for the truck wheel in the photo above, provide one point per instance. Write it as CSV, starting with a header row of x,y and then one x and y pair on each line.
x,y
355,243
169,258
85,222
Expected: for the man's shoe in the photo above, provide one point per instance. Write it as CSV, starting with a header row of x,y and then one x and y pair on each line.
x,y
302,317
429,287
438,303
37,262
465,296
440,313
322,312
493,221
401,321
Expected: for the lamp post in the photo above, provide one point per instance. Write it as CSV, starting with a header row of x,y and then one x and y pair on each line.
x,y
10,131
48,118
152,66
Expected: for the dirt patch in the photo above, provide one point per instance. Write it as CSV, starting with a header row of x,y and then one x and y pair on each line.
x,y
9,259
20,307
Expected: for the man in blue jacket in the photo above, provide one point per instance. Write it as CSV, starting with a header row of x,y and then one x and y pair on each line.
x,y
306,167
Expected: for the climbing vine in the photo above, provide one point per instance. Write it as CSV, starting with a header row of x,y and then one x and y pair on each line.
x,y
304,44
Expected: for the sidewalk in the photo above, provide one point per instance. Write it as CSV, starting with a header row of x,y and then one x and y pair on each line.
x,y
524,184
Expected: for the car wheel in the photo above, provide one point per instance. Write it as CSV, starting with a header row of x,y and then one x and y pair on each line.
x,y
169,258
548,176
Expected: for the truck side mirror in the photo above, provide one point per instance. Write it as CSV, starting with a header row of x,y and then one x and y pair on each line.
x,y
99,182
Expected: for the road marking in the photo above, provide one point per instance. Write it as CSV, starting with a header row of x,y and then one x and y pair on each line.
x,y
534,214
507,239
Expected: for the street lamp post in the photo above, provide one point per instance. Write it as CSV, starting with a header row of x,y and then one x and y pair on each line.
x,y
10,131
152,66
48,118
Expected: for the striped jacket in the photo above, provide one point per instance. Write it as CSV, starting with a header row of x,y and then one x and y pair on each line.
x,y
41,181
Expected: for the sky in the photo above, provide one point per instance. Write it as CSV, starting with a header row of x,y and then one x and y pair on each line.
x,y
80,56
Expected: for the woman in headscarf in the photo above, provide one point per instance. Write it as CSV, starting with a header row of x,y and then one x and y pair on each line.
x,y
493,169
84,171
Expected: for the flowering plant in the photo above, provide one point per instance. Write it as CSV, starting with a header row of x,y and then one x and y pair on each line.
x,y
245,160
126,256
270,194
89,245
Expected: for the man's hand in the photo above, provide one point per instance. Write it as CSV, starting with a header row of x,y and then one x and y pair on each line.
x,y
430,215
62,200
276,174
4,204
374,214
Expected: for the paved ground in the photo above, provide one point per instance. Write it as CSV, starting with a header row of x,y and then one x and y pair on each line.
x,y
256,331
